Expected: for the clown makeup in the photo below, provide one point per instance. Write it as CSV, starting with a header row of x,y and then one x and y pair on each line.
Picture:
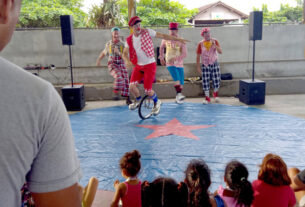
x,y
207,36
137,28
115,36
173,32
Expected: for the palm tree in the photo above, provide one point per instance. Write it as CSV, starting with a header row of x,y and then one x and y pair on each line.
x,y
106,15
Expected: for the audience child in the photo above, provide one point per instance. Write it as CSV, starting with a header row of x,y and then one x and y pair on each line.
x,y
129,191
298,184
198,180
164,192
238,192
272,187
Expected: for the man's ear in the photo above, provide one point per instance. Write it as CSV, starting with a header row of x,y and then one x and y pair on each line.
x,y
5,8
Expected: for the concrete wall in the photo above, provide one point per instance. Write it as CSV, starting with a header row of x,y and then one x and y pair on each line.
x,y
279,54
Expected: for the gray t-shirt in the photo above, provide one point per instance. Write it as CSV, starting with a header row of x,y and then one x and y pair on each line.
x,y
36,141
301,176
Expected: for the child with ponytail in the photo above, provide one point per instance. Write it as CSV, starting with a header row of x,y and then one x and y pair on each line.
x,y
238,192
198,180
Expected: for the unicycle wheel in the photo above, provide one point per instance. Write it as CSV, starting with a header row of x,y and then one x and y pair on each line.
x,y
145,107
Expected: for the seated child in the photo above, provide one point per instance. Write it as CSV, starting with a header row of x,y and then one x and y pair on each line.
x,y
238,192
129,191
164,192
272,189
198,181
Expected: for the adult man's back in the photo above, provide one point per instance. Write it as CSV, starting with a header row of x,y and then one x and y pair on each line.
x,y
37,145
35,140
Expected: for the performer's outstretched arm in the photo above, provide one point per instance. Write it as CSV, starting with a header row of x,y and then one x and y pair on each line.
x,y
170,37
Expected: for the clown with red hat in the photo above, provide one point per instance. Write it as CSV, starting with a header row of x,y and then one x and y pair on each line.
x,y
173,59
208,67
139,54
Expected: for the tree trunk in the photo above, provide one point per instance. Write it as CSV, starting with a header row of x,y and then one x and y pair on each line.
x,y
105,1
131,8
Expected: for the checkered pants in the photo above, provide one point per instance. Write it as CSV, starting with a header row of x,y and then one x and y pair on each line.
x,y
119,72
210,72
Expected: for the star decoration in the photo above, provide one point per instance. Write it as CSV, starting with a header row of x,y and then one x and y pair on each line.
x,y
174,127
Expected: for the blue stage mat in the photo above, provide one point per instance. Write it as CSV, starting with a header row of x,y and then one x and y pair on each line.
x,y
216,133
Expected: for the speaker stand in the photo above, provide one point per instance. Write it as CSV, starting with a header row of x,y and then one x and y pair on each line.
x,y
253,61
71,67
252,92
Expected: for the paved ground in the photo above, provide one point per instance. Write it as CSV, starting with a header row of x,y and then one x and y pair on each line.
x,y
293,104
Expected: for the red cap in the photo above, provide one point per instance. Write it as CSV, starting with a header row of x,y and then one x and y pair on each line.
x,y
134,20
204,30
173,26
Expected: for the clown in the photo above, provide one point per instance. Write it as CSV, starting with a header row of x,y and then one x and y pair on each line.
x,y
175,53
139,54
207,51
114,49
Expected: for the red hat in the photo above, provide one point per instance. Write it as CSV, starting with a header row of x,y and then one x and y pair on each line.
x,y
134,20
173,26
204,30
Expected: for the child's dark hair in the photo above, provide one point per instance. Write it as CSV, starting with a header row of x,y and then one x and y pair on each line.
x,y
236,176
164,192
130,163
198,180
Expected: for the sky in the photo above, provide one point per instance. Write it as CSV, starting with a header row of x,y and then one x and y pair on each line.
x,y
245,6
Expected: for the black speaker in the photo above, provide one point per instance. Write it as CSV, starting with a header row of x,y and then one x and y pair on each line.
x,y
255,25
74,97
67,33
252,92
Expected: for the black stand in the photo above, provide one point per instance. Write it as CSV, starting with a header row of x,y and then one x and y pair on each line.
x,y
253,61
73,95
71,67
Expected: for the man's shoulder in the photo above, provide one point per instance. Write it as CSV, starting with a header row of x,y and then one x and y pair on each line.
x,y
11,72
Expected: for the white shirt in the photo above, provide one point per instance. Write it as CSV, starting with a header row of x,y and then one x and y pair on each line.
x,y
142,58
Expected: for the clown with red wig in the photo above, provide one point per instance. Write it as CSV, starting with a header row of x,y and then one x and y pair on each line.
x,y
175,53
139,53
208,67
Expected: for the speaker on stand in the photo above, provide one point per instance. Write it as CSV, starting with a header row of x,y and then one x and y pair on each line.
x,y
252,92
72,95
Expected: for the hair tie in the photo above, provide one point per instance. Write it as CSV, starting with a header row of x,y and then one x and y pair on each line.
x,y
242,179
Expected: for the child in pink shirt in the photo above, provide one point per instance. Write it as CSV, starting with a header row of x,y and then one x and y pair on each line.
x,y
238,192
130,190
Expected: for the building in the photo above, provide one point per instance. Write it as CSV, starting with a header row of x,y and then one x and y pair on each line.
x,y
217,13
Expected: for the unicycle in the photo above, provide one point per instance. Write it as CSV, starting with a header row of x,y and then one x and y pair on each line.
x,y
145,107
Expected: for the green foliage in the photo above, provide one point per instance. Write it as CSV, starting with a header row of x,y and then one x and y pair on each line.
x,y
105,15
286,14
46,13
159,12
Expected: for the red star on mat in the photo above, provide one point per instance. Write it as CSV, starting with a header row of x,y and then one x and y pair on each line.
x,y
174,127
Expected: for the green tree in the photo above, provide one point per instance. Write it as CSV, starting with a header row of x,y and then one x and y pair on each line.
x,y
46,13
159,12
286,14
106,14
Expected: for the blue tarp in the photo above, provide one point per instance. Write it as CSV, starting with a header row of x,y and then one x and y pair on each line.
x,y
236,132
